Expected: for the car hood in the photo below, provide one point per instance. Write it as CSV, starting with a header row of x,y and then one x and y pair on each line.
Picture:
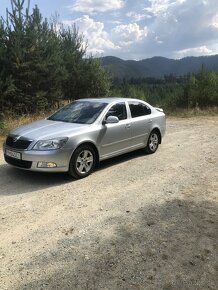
x,y
47,129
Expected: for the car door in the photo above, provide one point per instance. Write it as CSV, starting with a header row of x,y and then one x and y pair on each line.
x,y
141,123
115,138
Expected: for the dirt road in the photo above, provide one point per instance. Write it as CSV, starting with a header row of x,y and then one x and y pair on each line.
x,y
138,222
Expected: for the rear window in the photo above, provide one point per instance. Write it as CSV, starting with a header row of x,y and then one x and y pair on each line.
x,y
138,109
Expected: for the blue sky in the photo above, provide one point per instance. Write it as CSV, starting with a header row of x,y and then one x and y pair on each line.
x,y
138,29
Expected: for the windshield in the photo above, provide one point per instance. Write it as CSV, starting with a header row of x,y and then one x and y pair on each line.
x,y
82,112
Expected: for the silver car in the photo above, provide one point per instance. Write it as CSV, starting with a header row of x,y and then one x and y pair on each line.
x,y
78,136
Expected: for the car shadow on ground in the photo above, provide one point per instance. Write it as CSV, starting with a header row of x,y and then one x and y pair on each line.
x,y
17,181
121,159
167,246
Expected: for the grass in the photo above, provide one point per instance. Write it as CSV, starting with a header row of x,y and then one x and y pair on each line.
x,y
195,112
10,122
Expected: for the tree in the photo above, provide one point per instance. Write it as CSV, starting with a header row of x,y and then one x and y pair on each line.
x,y
73,61
96,81
85,75
207,88
189,100
42,63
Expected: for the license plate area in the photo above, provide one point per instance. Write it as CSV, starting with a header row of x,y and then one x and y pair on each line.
x,y
13,154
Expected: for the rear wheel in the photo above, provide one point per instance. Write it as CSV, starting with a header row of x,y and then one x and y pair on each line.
x,y
82,162
153,142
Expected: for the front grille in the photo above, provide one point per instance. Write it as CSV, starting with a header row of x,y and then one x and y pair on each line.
x,y
18,144
18,162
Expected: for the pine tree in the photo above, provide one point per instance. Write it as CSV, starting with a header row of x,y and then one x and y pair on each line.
x,y
42,62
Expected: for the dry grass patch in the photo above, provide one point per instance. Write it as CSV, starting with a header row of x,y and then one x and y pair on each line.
x,y
195,112
11,122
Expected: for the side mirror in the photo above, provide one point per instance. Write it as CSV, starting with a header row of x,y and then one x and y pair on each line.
x,y
111,120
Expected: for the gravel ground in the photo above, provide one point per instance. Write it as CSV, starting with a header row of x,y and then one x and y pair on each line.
x,y
138,222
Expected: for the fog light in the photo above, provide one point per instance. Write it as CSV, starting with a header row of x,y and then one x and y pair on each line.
x,y
46,165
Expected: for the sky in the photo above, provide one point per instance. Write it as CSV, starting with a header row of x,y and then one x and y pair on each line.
x,y
139,29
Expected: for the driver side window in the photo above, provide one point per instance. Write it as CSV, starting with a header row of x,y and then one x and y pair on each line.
x,y
118,110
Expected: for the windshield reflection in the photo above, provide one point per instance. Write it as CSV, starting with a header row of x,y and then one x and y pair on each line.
x,y
80,112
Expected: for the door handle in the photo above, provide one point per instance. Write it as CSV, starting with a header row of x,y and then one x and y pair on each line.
x,y
128,126
150,121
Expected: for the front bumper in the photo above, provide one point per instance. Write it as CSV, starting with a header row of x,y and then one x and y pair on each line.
x,y
30,159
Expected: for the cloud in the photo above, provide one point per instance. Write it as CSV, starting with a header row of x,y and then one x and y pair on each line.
x,y
94,6
161,7
214,22
179,28
94,32
129,33
116,22
136,16
195,51
170,28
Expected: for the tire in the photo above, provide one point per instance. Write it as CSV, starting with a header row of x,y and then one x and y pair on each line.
x,y
82,162
153,142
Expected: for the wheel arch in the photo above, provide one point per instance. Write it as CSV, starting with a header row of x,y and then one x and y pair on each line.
x,y
91,144
157,130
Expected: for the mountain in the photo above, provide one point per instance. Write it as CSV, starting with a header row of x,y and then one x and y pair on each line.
x,y
158,66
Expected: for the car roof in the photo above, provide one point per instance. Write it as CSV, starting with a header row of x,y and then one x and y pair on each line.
x,y
108,100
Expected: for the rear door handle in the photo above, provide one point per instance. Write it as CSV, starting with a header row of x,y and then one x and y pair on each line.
x,y
150,121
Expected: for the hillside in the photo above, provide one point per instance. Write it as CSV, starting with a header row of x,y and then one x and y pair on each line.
x,y
158,66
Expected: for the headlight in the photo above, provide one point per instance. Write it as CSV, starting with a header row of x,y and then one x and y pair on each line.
x,y
52,144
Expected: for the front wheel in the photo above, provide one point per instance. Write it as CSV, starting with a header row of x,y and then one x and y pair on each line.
x,y
153,142
82,162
